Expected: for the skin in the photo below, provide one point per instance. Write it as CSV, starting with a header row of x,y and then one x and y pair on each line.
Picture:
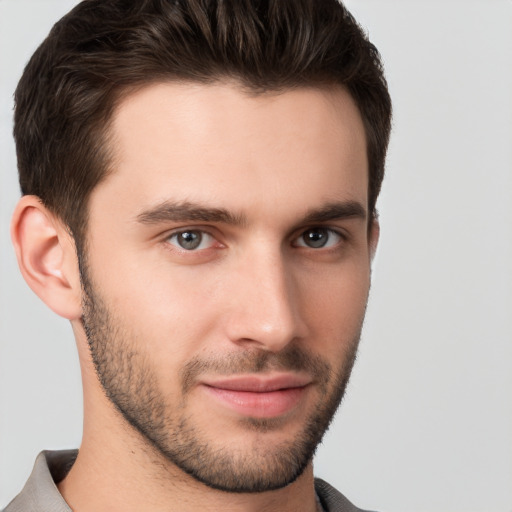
x,y
253,290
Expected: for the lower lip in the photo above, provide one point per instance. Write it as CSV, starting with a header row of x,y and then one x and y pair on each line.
x,y
269,404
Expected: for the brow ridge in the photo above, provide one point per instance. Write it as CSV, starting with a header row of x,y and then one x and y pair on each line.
x,y
335,211
168,211
185,211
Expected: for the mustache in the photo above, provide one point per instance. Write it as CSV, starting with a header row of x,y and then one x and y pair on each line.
x,y
292,358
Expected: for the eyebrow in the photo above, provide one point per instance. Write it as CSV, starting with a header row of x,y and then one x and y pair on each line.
x,y
336,211
169,211
188,211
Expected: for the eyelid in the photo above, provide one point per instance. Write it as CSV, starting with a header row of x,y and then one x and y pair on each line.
x,y
206,233
331,230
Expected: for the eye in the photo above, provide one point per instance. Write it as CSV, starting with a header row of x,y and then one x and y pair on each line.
x,y
318,238
191,240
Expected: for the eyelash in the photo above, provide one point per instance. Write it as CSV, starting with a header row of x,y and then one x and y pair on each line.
x,y
192,231
331,232
199,235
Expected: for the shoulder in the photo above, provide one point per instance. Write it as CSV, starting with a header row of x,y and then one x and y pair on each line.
x,y
40,493
332,500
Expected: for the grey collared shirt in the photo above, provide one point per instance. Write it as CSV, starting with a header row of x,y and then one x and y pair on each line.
x,y
41,494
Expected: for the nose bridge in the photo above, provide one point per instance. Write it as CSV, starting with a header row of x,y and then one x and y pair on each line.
x,y
266,305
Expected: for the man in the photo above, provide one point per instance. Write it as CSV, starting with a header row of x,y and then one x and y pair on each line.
x,y
199,183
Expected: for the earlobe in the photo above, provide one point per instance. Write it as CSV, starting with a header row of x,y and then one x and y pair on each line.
x,y
46,257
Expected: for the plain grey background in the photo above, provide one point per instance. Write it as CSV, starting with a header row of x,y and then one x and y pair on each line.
x,y
427,422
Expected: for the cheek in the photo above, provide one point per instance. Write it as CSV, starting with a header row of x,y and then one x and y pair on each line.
x,y
172,310
176,311
335,303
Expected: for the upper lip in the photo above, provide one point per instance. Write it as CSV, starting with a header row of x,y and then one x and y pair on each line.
x,y
259,383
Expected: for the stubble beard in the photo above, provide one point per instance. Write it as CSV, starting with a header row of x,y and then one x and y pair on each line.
x,y
131,384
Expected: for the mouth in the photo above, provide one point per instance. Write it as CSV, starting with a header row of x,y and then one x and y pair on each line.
x,y
259,396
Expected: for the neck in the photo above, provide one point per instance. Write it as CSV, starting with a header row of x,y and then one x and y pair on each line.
x,y
111,480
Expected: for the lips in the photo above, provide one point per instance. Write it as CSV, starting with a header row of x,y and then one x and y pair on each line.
x,y
258,396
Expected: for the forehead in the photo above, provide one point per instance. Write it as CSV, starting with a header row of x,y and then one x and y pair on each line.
x,y
218,144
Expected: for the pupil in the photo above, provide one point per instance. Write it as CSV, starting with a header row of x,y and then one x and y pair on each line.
x,y
190,239
315,237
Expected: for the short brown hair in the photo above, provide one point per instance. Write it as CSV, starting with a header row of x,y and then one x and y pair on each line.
x,y
102,49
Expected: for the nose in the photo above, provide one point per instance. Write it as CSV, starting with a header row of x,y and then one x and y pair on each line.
x,y
265,304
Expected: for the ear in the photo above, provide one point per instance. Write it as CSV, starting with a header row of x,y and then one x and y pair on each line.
x,y
47,257
373,236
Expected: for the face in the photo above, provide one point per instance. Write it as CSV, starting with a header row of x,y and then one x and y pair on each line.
x,y
227,273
